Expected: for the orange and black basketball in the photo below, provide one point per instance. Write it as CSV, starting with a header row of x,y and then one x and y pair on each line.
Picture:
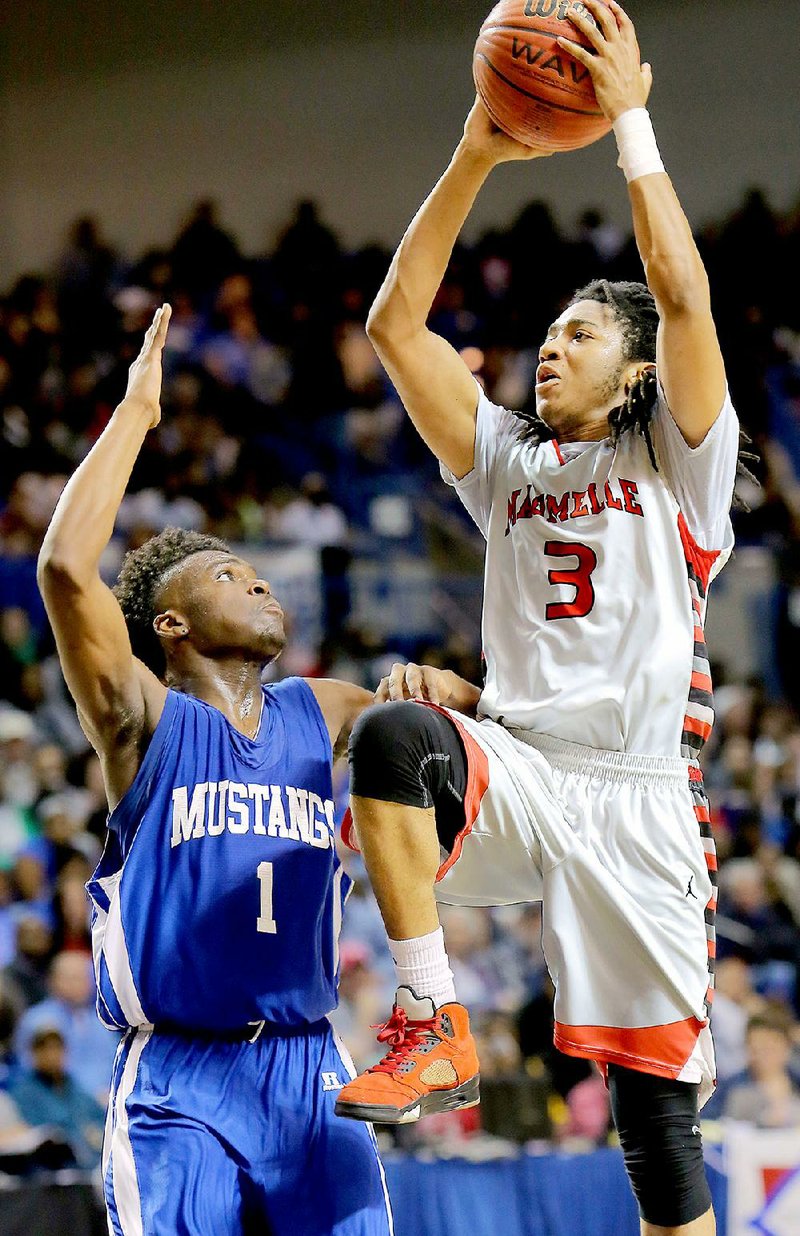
x,y
532,88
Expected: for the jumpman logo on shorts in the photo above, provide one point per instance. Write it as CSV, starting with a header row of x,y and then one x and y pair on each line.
x,y
690,891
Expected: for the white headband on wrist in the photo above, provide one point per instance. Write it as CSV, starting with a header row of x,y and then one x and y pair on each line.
x,y
636,142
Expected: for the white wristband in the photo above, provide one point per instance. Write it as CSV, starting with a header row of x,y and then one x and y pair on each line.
x,y
636,142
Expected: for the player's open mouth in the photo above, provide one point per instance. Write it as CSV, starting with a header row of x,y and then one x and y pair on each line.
x,y
546,379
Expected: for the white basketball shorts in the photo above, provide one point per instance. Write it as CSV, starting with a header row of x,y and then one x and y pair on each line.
x,y
619,850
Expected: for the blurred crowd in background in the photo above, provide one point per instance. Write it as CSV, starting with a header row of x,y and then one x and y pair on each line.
x,y
280,428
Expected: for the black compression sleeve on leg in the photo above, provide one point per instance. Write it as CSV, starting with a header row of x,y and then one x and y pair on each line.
x,y
659,1131
409,754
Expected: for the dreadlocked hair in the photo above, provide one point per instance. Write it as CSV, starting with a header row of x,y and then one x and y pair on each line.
x,y
634,308
143,571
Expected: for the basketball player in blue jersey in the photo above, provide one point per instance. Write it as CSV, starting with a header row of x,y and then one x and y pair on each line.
x,y
219,895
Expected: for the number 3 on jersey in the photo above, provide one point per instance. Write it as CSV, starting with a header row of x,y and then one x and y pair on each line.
x,y
579,578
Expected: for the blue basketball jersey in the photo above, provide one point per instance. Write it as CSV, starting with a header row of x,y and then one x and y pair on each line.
x,y
219,896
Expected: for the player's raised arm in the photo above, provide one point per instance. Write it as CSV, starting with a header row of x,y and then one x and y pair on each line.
x,y
119,700
689,361
435,385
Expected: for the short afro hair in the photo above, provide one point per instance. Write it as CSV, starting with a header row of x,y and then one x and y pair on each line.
x,y
142,574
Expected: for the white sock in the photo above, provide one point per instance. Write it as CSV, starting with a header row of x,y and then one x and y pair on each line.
x,y
422,965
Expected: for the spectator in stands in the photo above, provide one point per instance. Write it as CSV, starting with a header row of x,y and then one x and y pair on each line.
x,y
12,1125
26,975
204,253
18,649
735,1003
361,990
46,1095
312,518
769,1096
84,272
70,1009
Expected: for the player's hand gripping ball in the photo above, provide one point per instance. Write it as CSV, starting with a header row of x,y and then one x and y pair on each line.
x,y
531,87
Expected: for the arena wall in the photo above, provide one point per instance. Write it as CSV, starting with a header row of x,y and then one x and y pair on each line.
x,y
131,111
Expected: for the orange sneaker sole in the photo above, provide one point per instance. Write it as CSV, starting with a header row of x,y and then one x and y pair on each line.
x,y
465,1095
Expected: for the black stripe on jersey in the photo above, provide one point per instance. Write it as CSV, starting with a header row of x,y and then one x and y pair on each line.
x,y
698,696
695,578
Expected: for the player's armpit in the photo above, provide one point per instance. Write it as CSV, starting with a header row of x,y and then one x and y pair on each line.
x,y
341,704
118,698
437,389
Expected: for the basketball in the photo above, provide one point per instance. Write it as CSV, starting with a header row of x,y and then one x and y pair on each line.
x,y
533,89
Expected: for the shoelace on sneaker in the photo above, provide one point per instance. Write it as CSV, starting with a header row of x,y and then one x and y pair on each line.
x,y
403,1035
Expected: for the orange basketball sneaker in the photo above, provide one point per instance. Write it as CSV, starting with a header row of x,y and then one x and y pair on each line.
x,y
431,1066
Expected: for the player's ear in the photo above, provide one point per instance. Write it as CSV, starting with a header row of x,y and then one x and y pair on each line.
x,y
171,626
636,373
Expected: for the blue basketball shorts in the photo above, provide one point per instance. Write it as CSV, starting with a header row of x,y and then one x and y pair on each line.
x,y
209,1138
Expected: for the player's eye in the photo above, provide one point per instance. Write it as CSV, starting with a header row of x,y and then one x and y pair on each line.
x,y
226,574
580,334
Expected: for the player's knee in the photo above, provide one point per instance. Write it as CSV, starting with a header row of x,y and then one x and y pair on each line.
x,y
658,1128
384,731
384,753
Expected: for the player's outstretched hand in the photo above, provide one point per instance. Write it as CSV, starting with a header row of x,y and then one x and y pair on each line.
x,y
414,682
144,375
431,685
483,137
620,79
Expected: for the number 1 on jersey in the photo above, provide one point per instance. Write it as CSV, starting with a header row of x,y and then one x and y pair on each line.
x,y
266,922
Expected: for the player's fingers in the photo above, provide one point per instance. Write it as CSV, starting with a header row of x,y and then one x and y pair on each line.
x,y
605,19
414,683
430,678
382,694
587,27
397,682
150,334
621,17
581,54
165,313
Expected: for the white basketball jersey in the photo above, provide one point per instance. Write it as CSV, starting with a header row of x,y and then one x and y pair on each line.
x,y
597,570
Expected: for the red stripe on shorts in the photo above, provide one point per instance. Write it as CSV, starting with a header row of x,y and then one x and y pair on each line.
x,y
477,785
661,1050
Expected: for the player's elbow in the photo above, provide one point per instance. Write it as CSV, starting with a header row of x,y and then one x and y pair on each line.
x,y
382,327
57,570
391,320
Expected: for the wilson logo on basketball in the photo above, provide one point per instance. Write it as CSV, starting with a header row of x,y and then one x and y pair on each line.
x,y
554,8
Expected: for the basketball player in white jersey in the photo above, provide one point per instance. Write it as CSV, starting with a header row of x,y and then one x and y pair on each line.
x,y
605,517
